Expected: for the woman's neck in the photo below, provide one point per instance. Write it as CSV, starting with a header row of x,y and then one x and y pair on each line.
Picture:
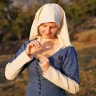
x,y
48,39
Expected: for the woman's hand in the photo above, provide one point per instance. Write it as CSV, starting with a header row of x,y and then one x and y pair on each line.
x,y
44,63
33,47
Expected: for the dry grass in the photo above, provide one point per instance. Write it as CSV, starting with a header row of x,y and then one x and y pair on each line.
x,y
88,36
84,39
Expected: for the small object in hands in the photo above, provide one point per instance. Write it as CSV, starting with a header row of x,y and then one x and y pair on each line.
x,y
33,39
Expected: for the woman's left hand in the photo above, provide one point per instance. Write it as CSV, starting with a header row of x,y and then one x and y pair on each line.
x,y
44,63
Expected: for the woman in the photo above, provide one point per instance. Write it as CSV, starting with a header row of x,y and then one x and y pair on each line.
x,y
50,58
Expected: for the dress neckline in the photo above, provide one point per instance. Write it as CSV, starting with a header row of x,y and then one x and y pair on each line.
x,y
54,53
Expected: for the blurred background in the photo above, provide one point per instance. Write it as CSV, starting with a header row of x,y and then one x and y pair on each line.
x,y
16,17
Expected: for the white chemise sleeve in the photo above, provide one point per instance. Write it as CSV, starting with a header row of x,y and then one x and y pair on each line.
x,y
62,81
12,69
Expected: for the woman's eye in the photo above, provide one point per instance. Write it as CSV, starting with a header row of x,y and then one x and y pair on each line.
x,y
53,27
44,25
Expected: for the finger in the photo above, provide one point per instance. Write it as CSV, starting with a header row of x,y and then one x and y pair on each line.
x,y
43,57
43,60
30,45
34,43
37,43
33,47
40,58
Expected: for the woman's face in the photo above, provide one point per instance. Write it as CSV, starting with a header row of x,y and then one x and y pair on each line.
x,y
48,30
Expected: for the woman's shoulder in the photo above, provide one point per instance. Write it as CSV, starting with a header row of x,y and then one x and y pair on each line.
x,y
68,50
23,47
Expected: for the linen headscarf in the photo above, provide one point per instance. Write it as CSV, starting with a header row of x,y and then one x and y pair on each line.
x,y
51,13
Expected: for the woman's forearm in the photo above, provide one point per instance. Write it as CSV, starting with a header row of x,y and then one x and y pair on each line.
x,y
61,80
12,69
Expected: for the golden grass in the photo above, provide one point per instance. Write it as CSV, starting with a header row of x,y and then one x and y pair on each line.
x,y
86,36
84,39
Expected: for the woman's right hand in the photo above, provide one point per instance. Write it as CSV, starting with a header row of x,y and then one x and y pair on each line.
x,y
33,47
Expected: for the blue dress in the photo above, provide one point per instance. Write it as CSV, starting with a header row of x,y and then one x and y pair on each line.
x,y
64,60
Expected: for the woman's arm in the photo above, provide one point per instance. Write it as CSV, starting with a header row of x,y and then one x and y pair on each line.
x,y
68,81
15,65
23,56
61,80
13,69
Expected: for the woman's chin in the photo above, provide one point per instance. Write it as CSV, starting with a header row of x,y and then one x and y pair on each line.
x,y
48,37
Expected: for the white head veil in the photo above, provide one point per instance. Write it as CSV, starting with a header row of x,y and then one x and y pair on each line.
x,y
51,13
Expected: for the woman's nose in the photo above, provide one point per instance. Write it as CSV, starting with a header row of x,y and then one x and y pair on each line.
x,y
48,30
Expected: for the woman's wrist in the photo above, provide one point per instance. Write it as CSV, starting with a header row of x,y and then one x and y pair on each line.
x,y
29,55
